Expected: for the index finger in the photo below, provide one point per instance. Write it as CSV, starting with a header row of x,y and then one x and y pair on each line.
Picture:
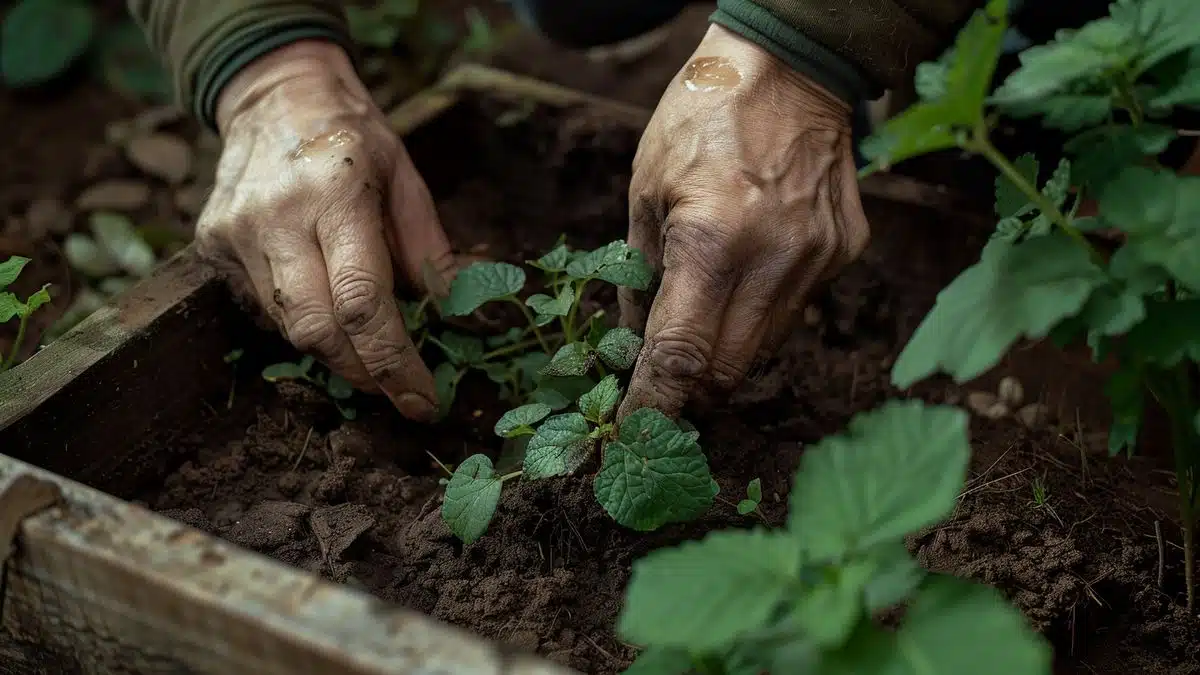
x,y
364,306
684,321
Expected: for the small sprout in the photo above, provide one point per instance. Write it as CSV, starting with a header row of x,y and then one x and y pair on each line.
x,y
336,387
753,498
11,307
234,356
471,498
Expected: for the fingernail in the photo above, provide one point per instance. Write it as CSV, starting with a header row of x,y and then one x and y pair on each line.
x,y
415,407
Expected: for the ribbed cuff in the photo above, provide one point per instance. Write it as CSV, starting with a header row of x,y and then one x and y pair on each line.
x,y
240,49
827,69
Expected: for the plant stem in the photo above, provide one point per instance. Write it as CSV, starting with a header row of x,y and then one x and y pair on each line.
x,y
16,345
532,323
979,143
569,320
1128,100
510,476
512,349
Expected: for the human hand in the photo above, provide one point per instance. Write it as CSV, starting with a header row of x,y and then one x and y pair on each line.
x,y
315,200
745,195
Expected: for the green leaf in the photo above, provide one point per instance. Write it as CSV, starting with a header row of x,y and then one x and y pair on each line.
x,y
653,474
1143,201
616,263
1010,200
1127,397
1169,334
1101,154
10,307
558,447
828,610
551,397
565,390
11,269
41,39
954,626
554,261
919,130
754,490
746,507
462,350
742,576
1027,288
480,283
39,298
574,358
619,348
471,498
549,308
1166,27
598,404
1072,56
1185,89
283,371
661,661
519,421
893,471
1067,112
445,381
1112,311
930,80
338,388
896,577
120,240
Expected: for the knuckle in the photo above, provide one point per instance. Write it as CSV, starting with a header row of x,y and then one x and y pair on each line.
x,y
384,362
357,302
313,332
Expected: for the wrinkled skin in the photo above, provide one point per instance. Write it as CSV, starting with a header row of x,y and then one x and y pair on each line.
x,y
744,196
315,202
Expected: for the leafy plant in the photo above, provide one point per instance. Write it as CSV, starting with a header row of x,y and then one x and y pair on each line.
x,y
753,498
1111,85
12,307
41,40
334,385
802,599
652,472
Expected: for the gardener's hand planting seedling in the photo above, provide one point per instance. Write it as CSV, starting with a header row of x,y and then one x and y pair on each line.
x,y
756,204
315,201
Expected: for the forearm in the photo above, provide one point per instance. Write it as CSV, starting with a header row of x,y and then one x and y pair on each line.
x,y
854,48
204,43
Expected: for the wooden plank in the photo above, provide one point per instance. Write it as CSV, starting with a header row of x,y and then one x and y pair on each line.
x,y
101,586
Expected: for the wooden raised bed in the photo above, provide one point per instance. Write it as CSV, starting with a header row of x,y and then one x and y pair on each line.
x,y
135,414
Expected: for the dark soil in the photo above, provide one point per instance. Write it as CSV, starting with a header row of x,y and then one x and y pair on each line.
x,y
359,502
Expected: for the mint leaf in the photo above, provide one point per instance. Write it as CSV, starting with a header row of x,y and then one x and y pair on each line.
x,y
519,421
1169,334
619,348
554,261
1028,288
895,578
653,474
10,306
574,358
742,577
829,609
471,498
1112,311
480,283
1143,201
11,269
919,130
893,471
283,371
1067,112
1101,154
1072,56
1010,200
549,308
462,350
598,404
616,263
558,447
551,397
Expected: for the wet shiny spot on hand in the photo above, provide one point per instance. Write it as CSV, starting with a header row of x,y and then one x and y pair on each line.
x,y
710,73
319,144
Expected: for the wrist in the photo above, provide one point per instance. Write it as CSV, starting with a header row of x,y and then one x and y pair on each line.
x,y
764,73
307,70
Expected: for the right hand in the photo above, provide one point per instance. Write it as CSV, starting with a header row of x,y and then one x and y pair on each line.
x,y
315,200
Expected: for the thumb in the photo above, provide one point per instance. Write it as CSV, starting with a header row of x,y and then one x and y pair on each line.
x,y
415,234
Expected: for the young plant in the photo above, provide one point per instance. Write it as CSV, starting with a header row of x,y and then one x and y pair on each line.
x,y
753,498
652,472
1111,85
802,598
11,307
334,385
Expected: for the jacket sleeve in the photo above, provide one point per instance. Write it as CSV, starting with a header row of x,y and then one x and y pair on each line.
x,y
855,48
205,42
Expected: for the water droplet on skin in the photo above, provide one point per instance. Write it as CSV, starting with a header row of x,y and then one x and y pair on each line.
x,y
710,73
319,144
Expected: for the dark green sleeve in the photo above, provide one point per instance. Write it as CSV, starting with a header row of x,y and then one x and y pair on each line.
x,y
855,48
205,42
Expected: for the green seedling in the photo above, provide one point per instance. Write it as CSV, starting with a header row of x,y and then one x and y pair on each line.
x,y
1110,87
652,472
232,359
11,307
802,598
753,498
338,389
